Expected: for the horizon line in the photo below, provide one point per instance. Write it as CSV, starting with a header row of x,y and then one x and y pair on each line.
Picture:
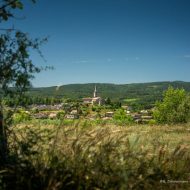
x,y
108,83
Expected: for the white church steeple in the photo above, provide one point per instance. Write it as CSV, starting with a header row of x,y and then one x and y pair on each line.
x,y
95,92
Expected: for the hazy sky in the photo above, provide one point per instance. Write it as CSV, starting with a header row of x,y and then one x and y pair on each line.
x,y
115,41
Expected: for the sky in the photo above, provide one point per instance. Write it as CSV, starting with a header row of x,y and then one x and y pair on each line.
x,y
109,41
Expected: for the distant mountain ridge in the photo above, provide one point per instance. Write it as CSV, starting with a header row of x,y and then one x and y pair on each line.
x,y
118,92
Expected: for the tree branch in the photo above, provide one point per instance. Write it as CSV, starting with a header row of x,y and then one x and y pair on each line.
x,y
6,5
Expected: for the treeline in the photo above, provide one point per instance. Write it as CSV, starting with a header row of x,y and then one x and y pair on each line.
x,y
28,100
143,95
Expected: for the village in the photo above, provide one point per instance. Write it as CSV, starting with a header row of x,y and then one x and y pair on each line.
x,y
89,108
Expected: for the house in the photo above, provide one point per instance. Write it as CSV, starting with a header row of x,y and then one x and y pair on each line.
x,y
40,116
87,100
142,117
144,112
72,116
97,101
137,117
109,114
43,107
52,115
74,112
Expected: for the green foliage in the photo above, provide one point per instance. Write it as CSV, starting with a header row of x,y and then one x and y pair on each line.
x,y
108,101
120,114
121,117
16,69
175,107
7,7
152,122
143,94
21,116
61,115
96,108
34,111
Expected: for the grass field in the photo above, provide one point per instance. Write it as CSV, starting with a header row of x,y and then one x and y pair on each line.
x,y
129,100
85,155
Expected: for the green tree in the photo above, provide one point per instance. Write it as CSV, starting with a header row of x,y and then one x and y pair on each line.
x,y
16,66
108,101
7,7
175,107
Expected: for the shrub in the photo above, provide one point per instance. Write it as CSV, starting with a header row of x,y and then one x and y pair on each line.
x,y
61,115
21,117
120,117
152,122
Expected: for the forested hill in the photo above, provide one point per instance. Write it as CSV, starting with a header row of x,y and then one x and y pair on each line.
x,y
117,92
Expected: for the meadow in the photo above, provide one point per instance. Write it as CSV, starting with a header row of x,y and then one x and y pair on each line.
x,y
63,154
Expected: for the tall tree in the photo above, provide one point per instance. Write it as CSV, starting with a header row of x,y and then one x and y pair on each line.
x,y
16,66
175,107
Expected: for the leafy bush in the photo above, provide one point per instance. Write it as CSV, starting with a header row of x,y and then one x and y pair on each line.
x,y
34,110
175,107
120,117
152,122
61,115
21,117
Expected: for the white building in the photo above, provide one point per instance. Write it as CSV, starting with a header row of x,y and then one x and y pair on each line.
x,y
96,100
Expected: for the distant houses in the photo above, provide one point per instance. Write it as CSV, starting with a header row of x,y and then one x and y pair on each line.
x,y
72,115
80,110
47,107
143,117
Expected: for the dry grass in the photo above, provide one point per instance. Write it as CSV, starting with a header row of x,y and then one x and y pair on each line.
x,y
84,156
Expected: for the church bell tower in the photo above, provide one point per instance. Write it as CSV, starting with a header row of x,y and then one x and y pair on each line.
x,y
95,92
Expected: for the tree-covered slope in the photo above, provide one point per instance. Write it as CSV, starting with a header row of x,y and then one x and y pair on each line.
x,y
139,92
